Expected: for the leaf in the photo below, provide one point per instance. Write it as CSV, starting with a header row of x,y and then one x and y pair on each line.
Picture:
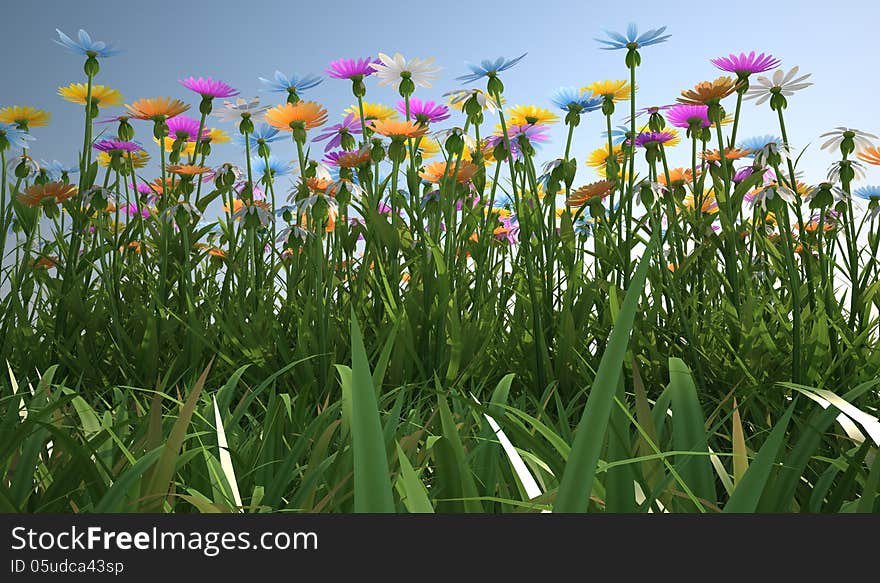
x,y
740,457
225,458
414,495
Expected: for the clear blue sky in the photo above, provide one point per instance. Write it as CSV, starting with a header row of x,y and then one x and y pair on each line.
x,y
240,41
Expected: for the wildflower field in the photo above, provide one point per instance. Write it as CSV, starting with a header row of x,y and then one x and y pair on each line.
x,y
433,307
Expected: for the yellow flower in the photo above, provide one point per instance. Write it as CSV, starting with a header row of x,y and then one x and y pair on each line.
x,y
101,94
618,90
218,136
428,148
138,159
599,158
187,150
373,111
709,205
530,115
24,115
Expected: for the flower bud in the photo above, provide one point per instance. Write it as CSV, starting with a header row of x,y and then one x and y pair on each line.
x,y
91,66
206,106
125,131
494,85
377,152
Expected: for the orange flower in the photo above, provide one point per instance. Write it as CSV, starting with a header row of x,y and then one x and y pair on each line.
x,y
729,154
156,108
47,262
435,171
392,128
870,155
158,187
318,184
590,192
51,192
353,159
187,169
308,113
677,176
135,246
216,252
707,91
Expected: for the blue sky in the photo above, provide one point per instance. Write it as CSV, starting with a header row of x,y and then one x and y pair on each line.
x,y
241,41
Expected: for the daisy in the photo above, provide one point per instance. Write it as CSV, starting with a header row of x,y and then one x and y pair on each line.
x,y
598,159
85,46
102,95
530,115
50,193
293,85
156,108
861,140
393,70
706,92
308,113
596,191
398,129
744,65
185,128
372,111
340,134
24,116
489,68
782,84
235,111
424,112
12,137
618,90
688,116
460,97
344,159
632,39
435,171
574,100
352,68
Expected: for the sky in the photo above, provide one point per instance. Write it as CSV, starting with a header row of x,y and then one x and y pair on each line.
x,y
241,41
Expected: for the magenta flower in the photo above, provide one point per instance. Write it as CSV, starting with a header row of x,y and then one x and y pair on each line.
x,y
745,65
508,231
131,210
351,68
117,145
685,116
535,134
182,126
207,87
645,139
141,188
336,133
424,112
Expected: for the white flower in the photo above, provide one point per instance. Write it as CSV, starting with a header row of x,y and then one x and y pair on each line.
x,y
391,69
784,83
771,191
234,111
443,135
857,167
460,97
836,136
261,211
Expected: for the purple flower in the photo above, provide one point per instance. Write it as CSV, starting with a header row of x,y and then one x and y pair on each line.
x,y
131,210
535,134
349,68
684,116
744,64
350,125
182,124
508,231
646,139
424,112
117,145
142,188
207,87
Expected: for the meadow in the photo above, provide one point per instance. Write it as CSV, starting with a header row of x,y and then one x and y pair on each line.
x,y
433,308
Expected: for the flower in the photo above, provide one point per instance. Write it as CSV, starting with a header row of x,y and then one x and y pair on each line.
x,y
705,92
308,113
117,146
489,68
591,192
55,170
837,168
744,64
185,128
392,70
870,155
292,85
429,147
729,154
336,132
156,108
677,176
575,100
11,136
782,83
139,159
646,139
48,193
708,205
598,159
273,168
101,94
262,134
344,159
85,46
24,116
352,68
424,112
208,87
188,169
686,116
435,171
216,136
188,149
372,111
770,191
869,193
459,97
530,115
861,140
398,129
618,90
535,134
508,231
235,111
632,39
757,143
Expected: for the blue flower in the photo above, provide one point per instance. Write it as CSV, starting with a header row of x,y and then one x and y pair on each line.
x,y
56,170
277,167
757,143
284,84
619,41
86,46
489,68
618,136
265,133
11,136
566,97
871,193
